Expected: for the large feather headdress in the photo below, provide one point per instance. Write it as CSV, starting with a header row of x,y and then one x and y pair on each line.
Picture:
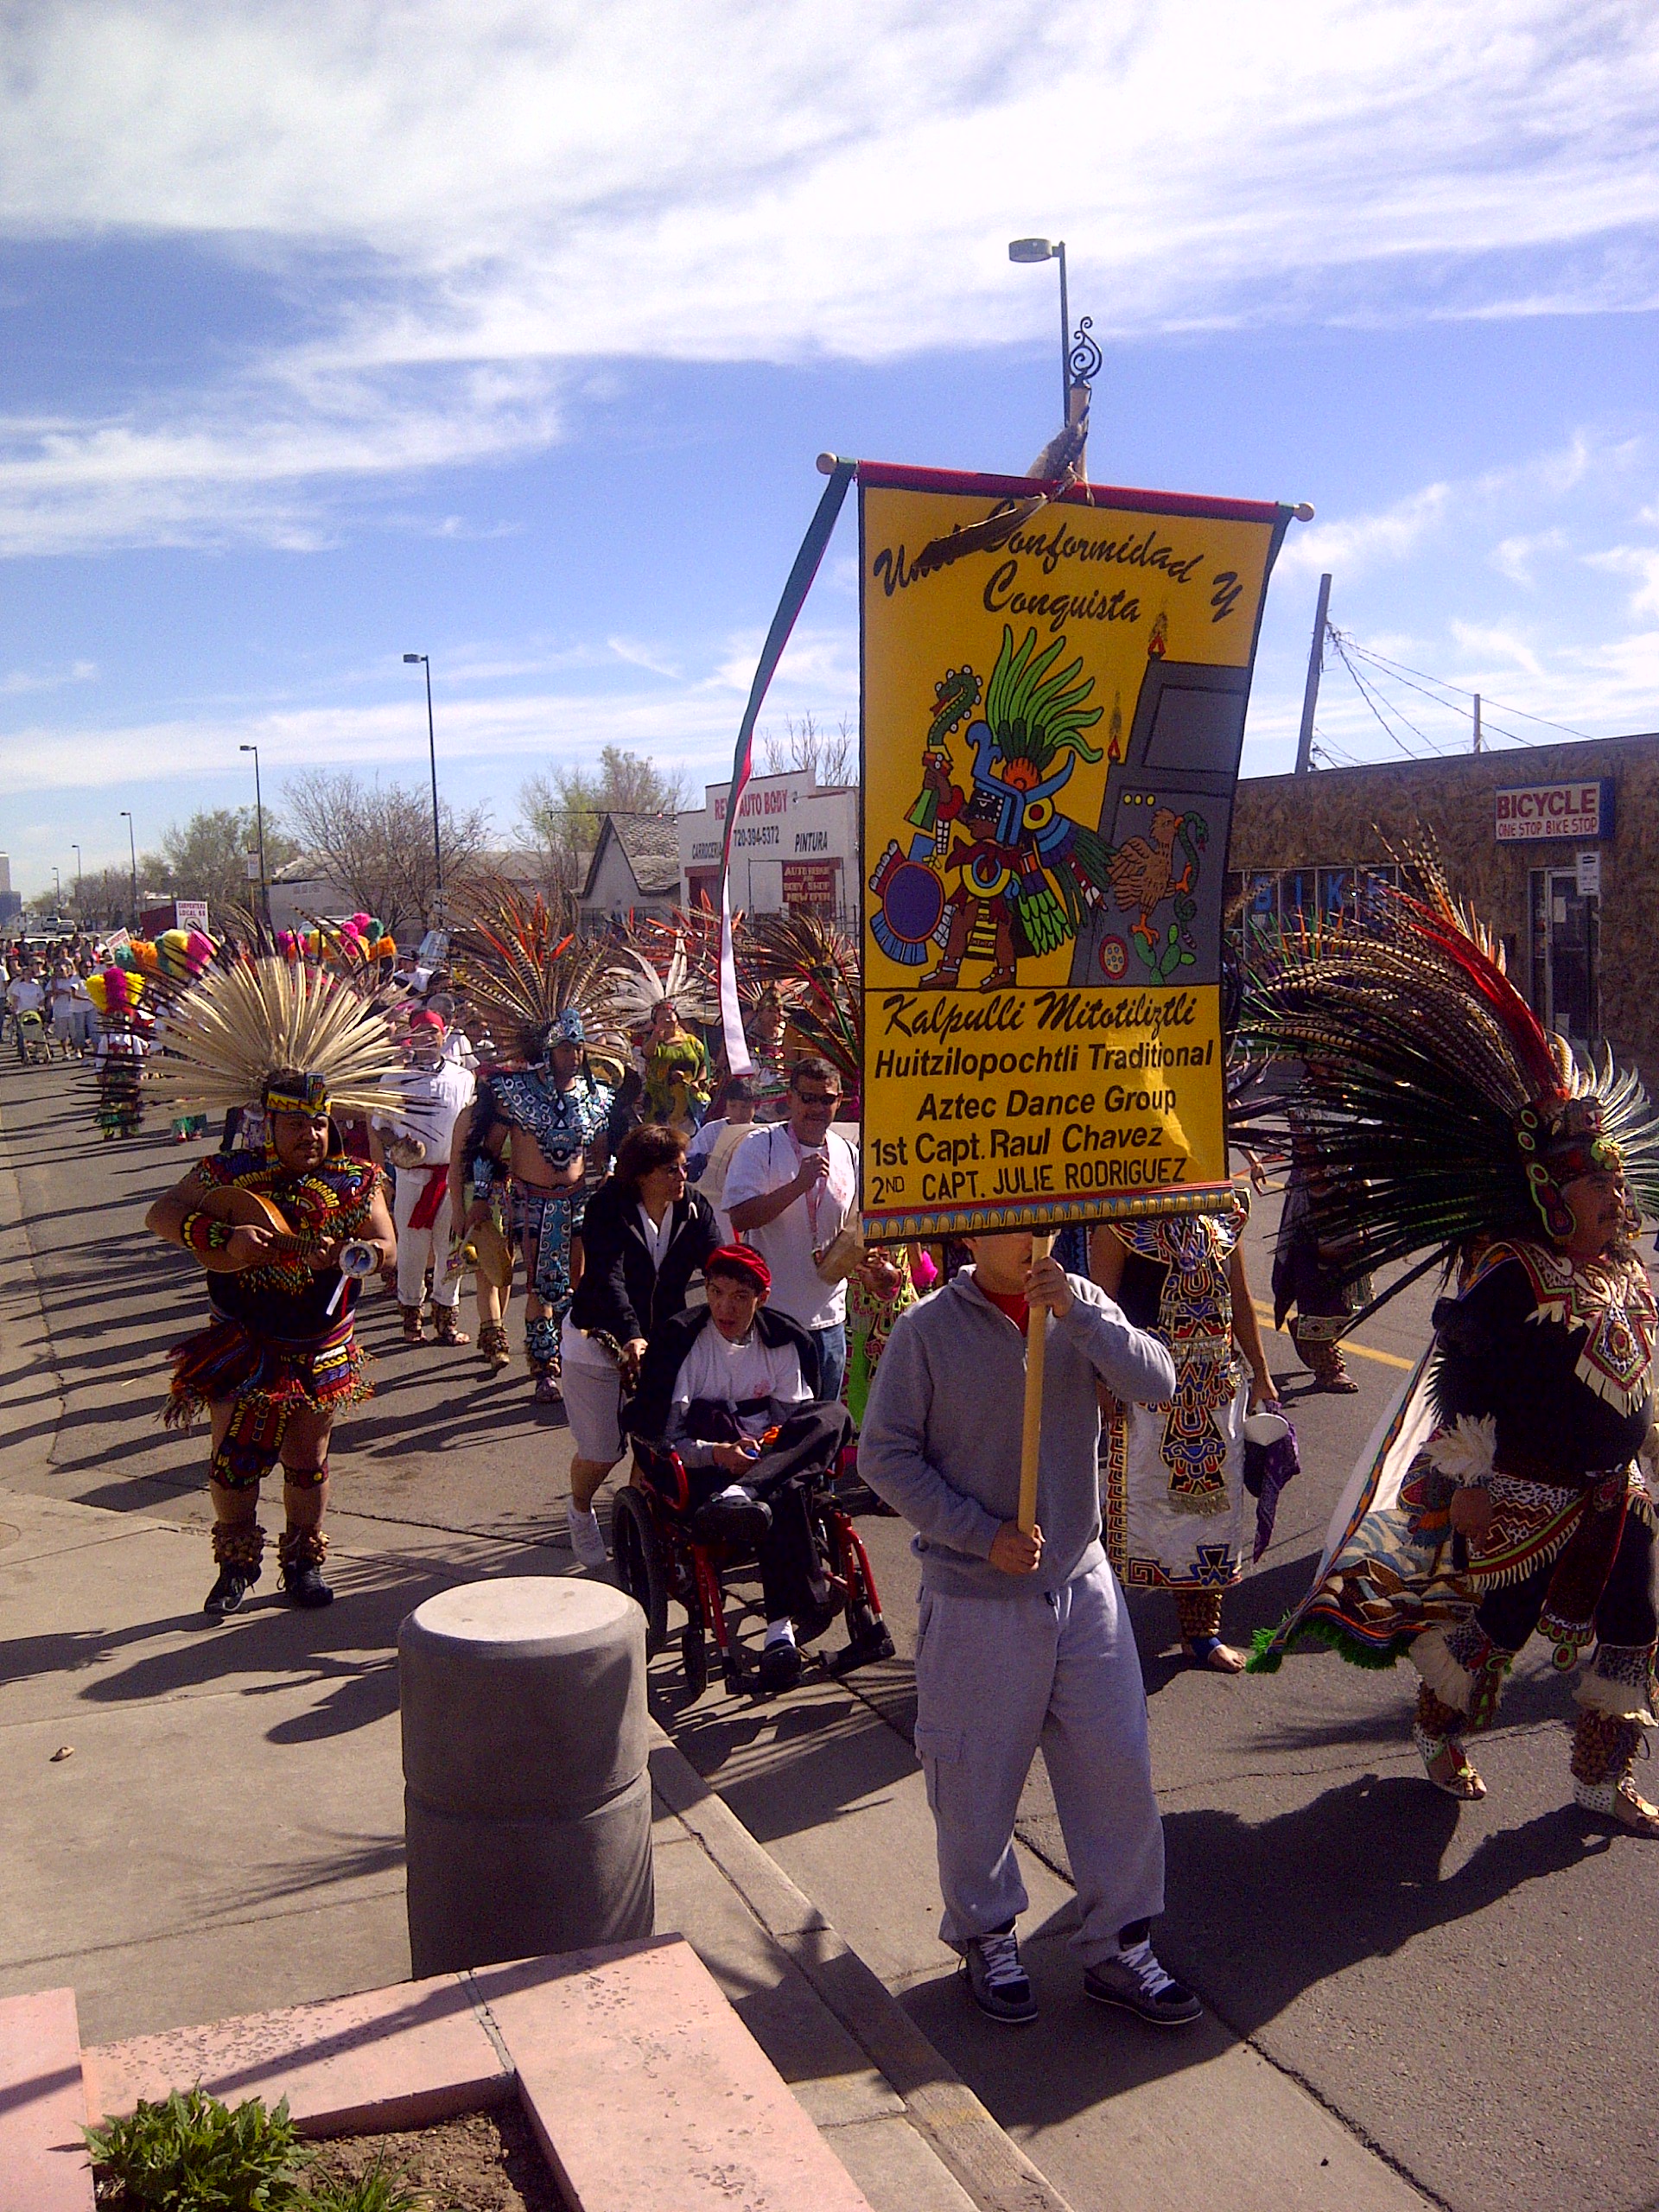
x,y
525,966
815,971
1441,1108
677,959
232,1031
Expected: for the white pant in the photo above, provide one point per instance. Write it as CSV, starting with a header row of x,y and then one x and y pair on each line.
x,y
415,1247
995,1677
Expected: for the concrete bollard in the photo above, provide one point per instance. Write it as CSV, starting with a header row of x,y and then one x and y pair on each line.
x,y
526,1797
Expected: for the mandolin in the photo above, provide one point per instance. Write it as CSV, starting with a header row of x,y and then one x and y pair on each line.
x,y
251,1209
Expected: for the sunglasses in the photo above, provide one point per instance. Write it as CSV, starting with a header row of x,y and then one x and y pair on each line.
x,y
819,1097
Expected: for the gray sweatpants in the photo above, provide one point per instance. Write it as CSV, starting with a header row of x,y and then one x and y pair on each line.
x,y
994,1678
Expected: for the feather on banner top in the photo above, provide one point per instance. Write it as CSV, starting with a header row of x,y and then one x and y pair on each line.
x,y
229,1032
1422,1063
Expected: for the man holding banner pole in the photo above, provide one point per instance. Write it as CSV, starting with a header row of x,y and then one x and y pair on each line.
x,y
1023,1637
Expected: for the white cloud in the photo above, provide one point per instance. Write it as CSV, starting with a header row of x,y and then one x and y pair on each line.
x,y
460,200
1361,541
1495,643
691,722
1641,561
1513,557
49,679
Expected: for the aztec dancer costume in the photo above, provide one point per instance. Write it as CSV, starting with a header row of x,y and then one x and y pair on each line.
x,y
537,1122
1508,1490
273,1230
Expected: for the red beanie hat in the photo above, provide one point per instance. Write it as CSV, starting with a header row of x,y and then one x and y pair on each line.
x,y
742,1262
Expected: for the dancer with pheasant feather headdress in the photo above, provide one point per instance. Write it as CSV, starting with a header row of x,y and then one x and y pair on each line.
x,y
285,1234
535,1121
1510,1490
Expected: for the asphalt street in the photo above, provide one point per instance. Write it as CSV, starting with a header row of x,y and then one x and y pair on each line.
x,y
1467,1988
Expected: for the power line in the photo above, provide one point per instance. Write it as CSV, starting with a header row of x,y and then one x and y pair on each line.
x,y
1404,672
1366,693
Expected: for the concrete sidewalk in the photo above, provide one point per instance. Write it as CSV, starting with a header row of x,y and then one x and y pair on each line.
x,y
226,1834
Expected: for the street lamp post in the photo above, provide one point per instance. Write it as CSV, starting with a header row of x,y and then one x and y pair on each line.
x,y
432,750
79,879
57,892
1031,249
132,846
259,816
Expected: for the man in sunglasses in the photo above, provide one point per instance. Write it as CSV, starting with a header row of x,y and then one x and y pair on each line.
x,y
789,1191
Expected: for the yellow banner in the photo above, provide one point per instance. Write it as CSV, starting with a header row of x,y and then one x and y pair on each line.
x,y
1052,726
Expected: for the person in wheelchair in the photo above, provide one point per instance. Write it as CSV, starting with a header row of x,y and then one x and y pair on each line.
x,y
730,1387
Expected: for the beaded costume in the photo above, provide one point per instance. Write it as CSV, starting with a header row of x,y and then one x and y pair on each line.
x,y
1451,1121
1173,1500
279,1359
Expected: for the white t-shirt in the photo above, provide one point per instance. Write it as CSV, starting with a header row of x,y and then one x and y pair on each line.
x,y
766,1161
25,995
730,1374
434,1100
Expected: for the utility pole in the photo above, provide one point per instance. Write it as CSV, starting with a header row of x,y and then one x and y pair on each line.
x,y
1311,696
1478,746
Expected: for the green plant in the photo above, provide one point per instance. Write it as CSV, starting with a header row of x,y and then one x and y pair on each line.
x,y
194,2154
380,2189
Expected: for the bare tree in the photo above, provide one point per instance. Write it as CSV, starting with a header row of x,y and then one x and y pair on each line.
x,y
103,901
559,815
206,857
831,755
375,841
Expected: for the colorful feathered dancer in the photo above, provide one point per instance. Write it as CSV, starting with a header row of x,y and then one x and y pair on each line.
x,y
523,965
240,1023
685,946
1444,1109
115,993
816,972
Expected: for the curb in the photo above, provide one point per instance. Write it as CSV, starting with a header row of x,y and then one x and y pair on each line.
x,y
985,2160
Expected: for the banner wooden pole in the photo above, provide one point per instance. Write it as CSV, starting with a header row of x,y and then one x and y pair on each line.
x,y
1032,1435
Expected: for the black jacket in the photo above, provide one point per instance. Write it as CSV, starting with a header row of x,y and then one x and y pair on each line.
x,y
646,1413
620,1291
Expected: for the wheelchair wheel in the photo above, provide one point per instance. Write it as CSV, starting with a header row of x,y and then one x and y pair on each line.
x,y
639,1566
694,1657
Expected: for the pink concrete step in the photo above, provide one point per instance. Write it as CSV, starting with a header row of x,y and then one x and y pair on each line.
x,y
387,2058
648,2093
43,2166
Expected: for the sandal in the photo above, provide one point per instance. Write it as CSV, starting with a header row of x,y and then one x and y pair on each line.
x,y
413,1333
1460,1780
1212,1654
1621,1803
449,1331
492,1346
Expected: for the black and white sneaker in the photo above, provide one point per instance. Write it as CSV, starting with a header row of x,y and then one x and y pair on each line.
x,y
1135,1982
998,1982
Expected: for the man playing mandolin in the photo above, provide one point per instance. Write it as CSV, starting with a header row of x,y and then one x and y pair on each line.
x,y
271,1228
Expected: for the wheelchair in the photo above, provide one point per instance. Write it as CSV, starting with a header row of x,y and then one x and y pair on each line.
x,y
657,1559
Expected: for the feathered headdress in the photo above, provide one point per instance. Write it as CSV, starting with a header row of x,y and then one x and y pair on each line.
x,y
677,959
1442,1108
231,1031
815,971
524,967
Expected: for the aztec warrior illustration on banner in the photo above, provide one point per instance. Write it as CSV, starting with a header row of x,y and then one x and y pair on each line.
x,y
1053,709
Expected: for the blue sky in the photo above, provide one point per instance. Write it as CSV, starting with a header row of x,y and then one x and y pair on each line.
x,y
509,334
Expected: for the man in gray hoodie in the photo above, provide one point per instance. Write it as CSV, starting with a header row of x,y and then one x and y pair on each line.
x,y
1021,1639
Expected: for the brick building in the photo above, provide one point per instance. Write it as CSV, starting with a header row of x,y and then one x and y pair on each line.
x,y
1556,846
